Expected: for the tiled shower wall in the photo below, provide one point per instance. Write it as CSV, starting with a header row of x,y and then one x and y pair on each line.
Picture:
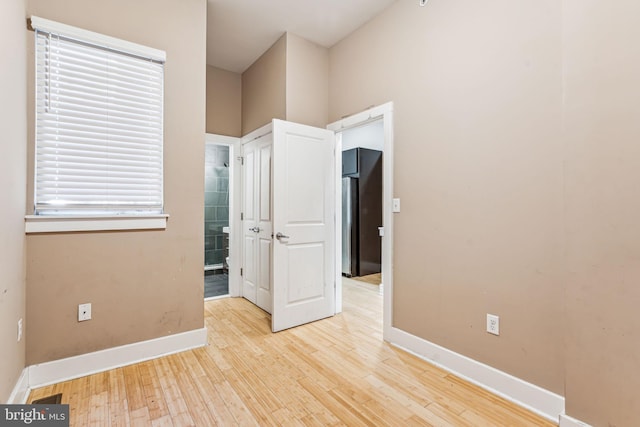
x,y
216,202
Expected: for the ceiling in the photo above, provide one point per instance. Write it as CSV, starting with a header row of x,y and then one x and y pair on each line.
x,y
239,31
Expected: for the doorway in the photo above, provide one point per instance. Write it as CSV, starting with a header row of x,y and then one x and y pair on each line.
x,y
362,158
216,220
372,129
219,233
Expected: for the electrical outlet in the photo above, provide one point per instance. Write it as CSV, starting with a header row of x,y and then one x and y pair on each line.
x,y
84,312
493,324
19,329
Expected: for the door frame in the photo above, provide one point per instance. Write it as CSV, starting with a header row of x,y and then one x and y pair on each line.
x,y
234,225
384,112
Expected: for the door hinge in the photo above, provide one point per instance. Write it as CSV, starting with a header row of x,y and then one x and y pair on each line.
x,y
241,272
241,160
241,216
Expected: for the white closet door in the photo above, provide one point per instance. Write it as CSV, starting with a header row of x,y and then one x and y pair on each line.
x,y
257,223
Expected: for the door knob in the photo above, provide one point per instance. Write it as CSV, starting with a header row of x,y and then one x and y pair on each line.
x,y
279,236
255,229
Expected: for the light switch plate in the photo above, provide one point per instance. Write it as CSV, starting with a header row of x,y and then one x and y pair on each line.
x,y
396,205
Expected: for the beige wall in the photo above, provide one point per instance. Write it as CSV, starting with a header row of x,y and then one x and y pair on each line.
x,y
13,159
289,81
224,102
478,166
307,82
142,284
602,110
264,88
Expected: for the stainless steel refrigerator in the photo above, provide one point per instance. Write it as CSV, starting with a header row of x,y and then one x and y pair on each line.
x,y
361,211
349,226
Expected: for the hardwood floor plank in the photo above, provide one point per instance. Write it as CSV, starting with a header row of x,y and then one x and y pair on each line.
x,y
195,402
396,375
416,421
333,372
208,365
80,394
236,406
152,391
215,403
133,388
216,355
162,422
396,398
118,404
283,417
175,401
321,419
140,417
259,400
99,409
335,406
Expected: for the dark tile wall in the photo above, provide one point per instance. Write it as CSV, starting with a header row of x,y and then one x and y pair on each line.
x,y
216,202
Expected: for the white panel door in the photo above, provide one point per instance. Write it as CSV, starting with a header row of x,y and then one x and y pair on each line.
x,y
257,223
304,223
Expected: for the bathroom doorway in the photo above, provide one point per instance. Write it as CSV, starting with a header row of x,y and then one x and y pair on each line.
x,y
216,219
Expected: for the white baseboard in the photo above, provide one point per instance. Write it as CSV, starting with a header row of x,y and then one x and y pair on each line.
x,y
567,421
90,363
21,390
543,402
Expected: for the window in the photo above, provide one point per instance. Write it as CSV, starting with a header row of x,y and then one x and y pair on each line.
x,y
99,124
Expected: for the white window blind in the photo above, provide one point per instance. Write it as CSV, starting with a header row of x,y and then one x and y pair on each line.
x,y
99,123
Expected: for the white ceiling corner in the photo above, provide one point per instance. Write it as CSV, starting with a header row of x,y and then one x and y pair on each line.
x,y
239,31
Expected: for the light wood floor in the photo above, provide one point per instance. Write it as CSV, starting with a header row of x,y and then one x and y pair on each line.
x,y
374,279
337,371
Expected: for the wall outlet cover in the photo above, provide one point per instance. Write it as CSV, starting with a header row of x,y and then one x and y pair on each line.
x,y
84,312
493,324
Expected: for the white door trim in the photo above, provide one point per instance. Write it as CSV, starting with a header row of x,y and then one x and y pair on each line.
x,y
261,131
234,207
384,111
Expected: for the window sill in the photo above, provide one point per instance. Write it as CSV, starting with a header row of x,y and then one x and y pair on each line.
x,y
63,224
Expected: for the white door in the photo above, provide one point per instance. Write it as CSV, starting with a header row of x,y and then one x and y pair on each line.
x,y
257,226
304,211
